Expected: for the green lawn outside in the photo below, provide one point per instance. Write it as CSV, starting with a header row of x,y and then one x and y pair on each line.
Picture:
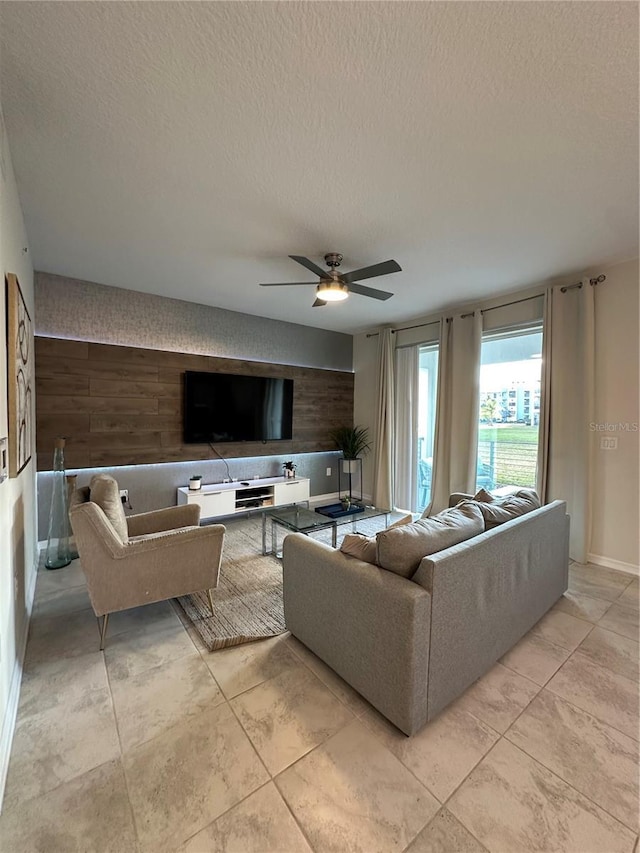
x,y
516,433
510,452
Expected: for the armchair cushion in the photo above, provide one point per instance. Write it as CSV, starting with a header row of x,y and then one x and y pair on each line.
x,y
106,494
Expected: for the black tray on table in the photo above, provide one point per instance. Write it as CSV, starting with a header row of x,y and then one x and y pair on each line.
x,y
338,511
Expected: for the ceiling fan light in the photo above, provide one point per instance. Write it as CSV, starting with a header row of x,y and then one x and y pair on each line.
x,y
332,291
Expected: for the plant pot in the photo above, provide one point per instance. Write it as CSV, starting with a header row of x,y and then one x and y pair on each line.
x,y
195,484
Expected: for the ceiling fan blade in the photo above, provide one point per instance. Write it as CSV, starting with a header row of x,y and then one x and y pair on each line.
x,y
373,292
319,303
288,283
310,266
383,268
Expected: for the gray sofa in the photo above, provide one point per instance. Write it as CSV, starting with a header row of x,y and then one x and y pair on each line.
x,y
411,646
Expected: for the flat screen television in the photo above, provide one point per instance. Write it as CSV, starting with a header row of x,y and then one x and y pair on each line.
x,y
224,407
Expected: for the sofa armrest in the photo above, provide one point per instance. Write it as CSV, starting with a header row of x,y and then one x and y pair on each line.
x,y
187,515
370,625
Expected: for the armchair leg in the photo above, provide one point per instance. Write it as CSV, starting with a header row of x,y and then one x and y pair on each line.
x,y
103,630
210,597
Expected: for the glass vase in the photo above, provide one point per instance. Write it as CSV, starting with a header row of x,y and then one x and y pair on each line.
x,y
58,554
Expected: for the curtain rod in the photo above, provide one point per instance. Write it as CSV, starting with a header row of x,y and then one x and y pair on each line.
x,y
592,281
405,328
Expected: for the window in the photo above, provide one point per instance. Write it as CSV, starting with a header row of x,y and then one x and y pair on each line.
x,y
509,408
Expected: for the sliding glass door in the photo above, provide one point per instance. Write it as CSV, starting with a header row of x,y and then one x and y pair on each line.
x,y
416,392
510,376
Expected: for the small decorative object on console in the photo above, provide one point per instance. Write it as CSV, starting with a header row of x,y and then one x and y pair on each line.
x,y
345,500
289,469
195,482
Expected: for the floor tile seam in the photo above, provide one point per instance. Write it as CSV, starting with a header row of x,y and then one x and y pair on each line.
x,y
540,764
575,616
140,672
600,666
380,740
149,628
584,711
129,749
541,636
258,684
357,715
248,737
570,784
455,817
608,630
121,759
23,717
293,815
520,713
222,814
37,798
618,633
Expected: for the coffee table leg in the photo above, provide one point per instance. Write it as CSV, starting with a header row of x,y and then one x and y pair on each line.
x,y
264,533
334,535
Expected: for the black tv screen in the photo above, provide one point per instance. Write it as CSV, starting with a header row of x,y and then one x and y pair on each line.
x,y
223,407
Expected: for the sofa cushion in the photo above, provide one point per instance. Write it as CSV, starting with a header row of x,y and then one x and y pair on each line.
x,y
106,494
401,549
365,548
511,506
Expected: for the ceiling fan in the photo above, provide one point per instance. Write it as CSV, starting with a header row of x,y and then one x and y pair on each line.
x,y
335,286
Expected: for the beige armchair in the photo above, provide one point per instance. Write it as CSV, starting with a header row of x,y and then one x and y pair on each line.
x,y
140,559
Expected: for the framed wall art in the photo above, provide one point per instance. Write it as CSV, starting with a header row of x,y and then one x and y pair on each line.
x,y
19,377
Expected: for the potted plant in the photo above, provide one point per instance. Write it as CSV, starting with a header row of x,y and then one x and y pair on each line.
x,y
289,469
195,482
345,500
353,442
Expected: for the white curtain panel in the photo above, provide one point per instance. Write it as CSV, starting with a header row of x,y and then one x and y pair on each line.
x,y
566,460
407,400
383,483
440,471
456,436
465,409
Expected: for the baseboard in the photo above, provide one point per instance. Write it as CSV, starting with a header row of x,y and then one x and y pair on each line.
x,y
11,712
618,565
321,500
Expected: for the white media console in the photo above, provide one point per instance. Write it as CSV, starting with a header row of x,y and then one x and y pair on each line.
x,y
224,499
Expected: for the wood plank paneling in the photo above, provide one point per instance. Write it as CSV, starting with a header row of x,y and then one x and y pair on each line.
x,y
123,406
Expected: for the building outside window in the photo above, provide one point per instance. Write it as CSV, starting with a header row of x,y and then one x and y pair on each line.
x,y
510,376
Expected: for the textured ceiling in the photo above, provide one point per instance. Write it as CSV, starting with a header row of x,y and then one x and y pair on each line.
x,y
186,149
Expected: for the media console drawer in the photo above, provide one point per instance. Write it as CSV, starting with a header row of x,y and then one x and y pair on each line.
x,y
290,492
214,503
224,499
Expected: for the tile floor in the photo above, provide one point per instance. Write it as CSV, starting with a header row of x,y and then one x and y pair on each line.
x,y
159,745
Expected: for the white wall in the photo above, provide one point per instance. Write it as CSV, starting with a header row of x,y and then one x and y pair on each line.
x,y
614,540
18,551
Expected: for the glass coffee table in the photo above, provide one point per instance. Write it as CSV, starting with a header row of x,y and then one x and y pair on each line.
x,y
296,519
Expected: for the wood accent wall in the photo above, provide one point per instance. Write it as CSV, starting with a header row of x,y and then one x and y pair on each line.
x,y
123,406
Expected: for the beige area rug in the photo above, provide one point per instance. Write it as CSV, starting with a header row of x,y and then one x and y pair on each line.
x,y
247,602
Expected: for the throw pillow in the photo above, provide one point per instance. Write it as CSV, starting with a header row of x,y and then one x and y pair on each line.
x,y
406,519
401,549
511,506
362,547
484,497
365,547
105,492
